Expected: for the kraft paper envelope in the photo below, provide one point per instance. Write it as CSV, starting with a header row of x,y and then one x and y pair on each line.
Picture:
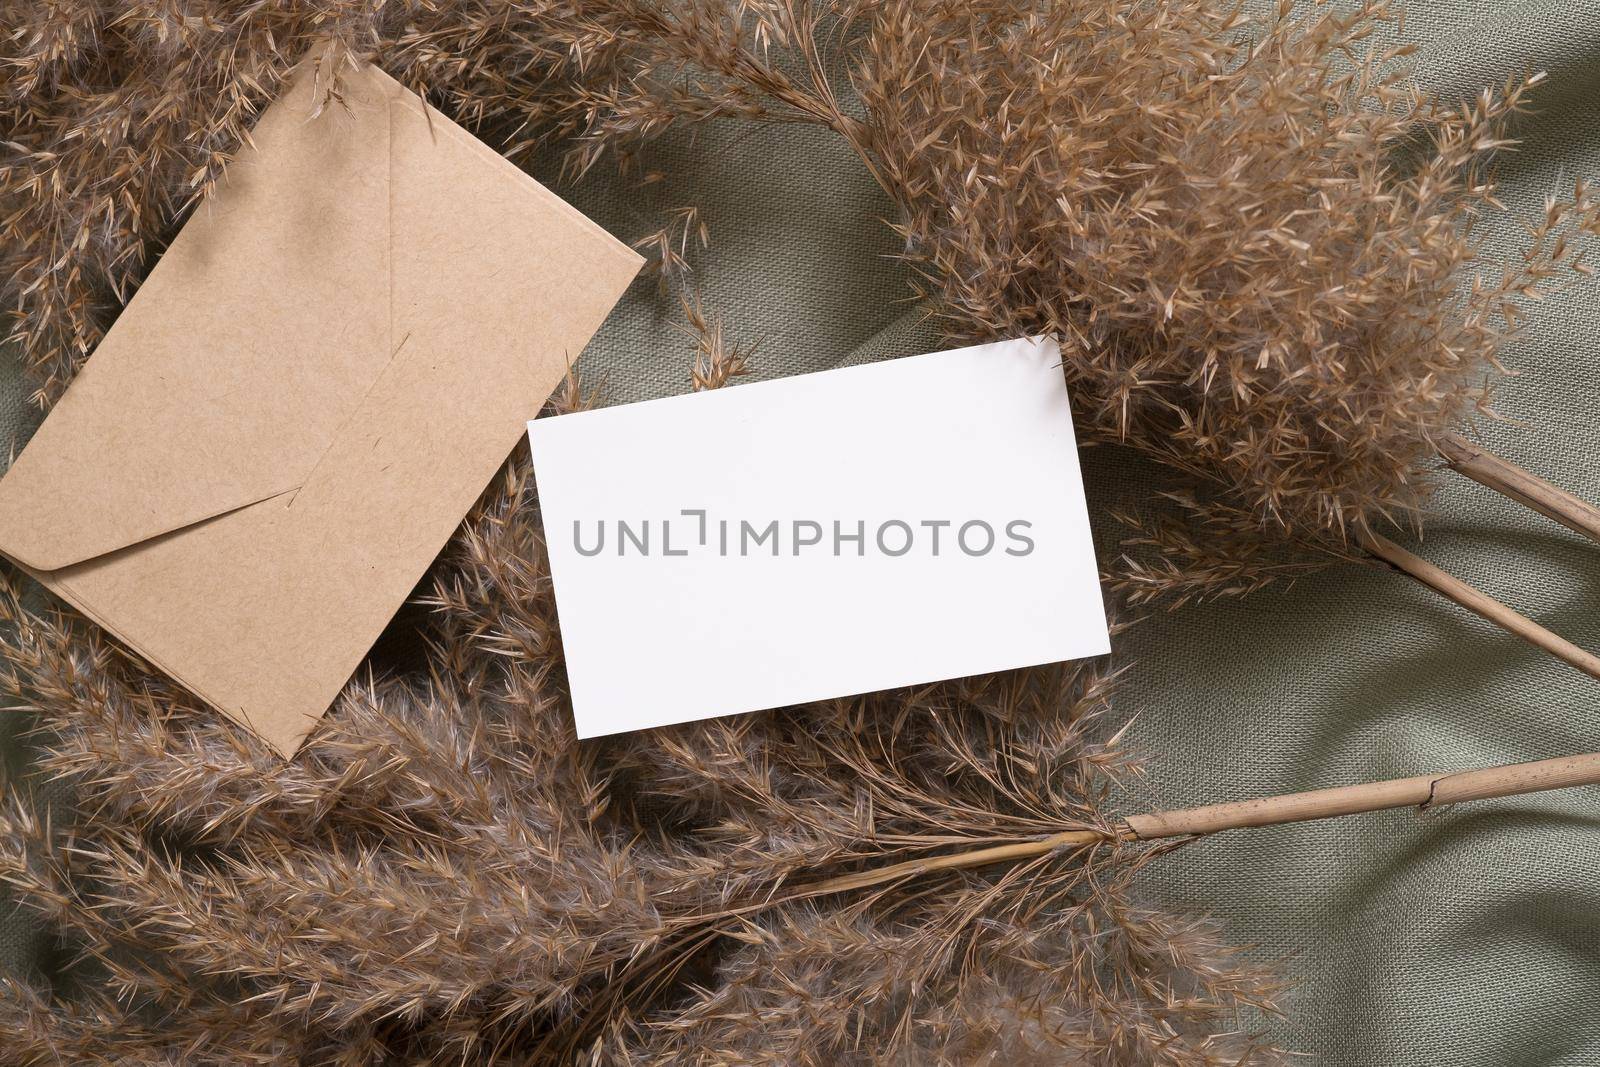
x,y
300,404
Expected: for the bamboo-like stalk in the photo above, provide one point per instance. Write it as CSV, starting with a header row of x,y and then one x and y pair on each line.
x,y
1481,603
1423,792
1534,492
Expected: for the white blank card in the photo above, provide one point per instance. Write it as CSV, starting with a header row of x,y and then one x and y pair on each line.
x,y
824,535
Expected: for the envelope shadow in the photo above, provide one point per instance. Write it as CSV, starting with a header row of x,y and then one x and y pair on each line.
x,y
402,648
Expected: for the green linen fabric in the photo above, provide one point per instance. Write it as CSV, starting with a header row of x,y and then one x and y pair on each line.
x,y
1464,937
22,941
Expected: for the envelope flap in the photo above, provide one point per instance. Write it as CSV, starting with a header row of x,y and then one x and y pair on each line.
x,y
231,370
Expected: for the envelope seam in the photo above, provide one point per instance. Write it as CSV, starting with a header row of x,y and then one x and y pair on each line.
x,y
388,111
388,106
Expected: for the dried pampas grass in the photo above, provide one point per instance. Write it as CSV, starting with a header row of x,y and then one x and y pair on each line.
x,y
1252,243
444,875
1256,242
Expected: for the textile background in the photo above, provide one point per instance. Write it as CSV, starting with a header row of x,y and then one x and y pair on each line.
x,y
1464,937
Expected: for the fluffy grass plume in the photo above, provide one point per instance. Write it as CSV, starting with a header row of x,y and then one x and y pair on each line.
x,y
445,875
1255,240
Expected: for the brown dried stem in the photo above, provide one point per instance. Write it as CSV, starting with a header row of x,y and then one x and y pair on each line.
x,y
1511,621
1527,489
1423,791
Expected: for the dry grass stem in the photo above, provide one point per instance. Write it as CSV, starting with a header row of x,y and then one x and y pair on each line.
x,y
1424,792
1527,489
1485,606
